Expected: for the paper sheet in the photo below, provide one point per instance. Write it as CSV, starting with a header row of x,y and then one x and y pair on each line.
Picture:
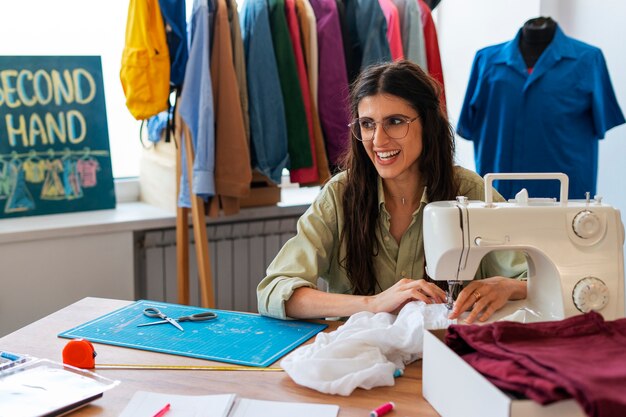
x,y
258,408
147,404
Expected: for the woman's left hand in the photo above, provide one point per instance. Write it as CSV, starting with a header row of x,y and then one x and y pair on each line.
x,y
486,296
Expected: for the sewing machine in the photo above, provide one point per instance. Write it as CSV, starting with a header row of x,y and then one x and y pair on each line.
x,y
574,249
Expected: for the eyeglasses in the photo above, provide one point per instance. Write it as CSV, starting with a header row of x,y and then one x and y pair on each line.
x,y
396,127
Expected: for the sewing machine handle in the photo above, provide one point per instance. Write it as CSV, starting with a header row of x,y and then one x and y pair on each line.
x,y
526,176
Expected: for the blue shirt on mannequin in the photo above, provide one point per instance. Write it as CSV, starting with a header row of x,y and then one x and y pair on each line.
x,y
546,120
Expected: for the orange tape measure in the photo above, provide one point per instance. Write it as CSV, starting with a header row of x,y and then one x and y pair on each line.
x,y
79,353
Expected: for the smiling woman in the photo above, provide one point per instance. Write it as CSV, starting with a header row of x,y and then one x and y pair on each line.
x,y
394,149
363,234
64,28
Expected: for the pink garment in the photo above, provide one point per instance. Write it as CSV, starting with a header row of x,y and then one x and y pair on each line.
x,y
333,90
582,357
393,28
309,174
432,47
87,169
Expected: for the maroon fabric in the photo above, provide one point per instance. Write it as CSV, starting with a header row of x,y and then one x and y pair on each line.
x,y
582,357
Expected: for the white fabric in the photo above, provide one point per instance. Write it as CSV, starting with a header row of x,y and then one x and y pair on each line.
x,y
366,350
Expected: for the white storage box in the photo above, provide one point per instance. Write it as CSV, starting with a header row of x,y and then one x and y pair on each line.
x,y
455,389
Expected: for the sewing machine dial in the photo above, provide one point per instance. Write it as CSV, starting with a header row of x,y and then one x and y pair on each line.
x,y
587,225
590,293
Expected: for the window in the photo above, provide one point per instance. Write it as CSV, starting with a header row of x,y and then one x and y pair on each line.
x,y
80,27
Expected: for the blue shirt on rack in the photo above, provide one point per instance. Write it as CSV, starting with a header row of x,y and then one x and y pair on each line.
x,y
368,35
268,126
547,120
196,109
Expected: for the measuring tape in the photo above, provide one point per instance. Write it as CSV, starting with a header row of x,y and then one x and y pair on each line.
x,y
81,354
187,367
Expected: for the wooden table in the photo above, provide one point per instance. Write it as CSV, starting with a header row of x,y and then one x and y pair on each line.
x,y
40,339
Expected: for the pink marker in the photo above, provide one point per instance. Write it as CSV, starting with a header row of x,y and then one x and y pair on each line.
x,y
162,411
383,409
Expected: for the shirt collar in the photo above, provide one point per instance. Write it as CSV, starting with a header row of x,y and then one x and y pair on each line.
x,y
560,47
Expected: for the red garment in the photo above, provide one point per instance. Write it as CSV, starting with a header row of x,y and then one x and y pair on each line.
x,y
582,357
310,174
393,29
433,57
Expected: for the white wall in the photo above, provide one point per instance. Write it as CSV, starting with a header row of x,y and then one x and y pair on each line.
x,y
43,275
601,23
465,26
80,27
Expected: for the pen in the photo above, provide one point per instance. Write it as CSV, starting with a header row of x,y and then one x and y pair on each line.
x,y
9,356
8,360
383,409
162,411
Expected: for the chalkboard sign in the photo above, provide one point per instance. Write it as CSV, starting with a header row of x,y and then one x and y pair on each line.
x,y
54,141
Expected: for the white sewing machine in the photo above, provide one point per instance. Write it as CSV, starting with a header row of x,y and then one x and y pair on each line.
x,y
574,249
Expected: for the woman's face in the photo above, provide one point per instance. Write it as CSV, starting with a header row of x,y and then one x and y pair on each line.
x,y
394,158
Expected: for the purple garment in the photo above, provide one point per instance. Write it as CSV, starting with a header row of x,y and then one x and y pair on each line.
x,y
582,357
333,90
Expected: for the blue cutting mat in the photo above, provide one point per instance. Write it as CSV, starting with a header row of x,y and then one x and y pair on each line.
x,y
233,337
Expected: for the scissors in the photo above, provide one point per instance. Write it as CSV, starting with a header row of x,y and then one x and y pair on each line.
x,y
155,312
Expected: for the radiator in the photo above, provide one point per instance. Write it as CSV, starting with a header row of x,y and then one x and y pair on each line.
x,y
240,251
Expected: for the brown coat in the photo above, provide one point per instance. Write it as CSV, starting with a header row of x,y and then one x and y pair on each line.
x,y
239,61
233,173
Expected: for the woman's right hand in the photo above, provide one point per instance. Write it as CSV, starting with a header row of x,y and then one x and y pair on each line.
x,y
404,291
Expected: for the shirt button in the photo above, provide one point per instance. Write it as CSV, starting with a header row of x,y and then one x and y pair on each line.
x,y
403,273
386,238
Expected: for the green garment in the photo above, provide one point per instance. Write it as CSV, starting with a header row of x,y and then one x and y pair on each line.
x,y
298,141
314,252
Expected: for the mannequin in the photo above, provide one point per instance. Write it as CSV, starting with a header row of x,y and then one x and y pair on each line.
x,y
544,111
536,36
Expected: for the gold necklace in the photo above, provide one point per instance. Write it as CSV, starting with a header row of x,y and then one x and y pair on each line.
x,y
402,198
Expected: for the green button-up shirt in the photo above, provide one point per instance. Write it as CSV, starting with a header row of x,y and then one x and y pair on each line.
x,y
314,253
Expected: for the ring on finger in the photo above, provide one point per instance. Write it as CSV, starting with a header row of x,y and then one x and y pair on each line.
x,y
476,295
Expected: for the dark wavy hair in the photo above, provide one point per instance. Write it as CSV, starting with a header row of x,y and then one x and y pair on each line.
x,y
409,82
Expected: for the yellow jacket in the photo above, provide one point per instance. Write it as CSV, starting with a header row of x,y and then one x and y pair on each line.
x,y
145,72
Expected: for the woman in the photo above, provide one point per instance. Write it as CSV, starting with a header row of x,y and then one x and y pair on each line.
x,y
363,234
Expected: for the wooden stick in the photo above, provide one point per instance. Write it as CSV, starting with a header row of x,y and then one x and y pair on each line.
x,y
182,225
199,231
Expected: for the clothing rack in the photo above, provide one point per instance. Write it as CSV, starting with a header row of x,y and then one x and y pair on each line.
x,y
198,218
